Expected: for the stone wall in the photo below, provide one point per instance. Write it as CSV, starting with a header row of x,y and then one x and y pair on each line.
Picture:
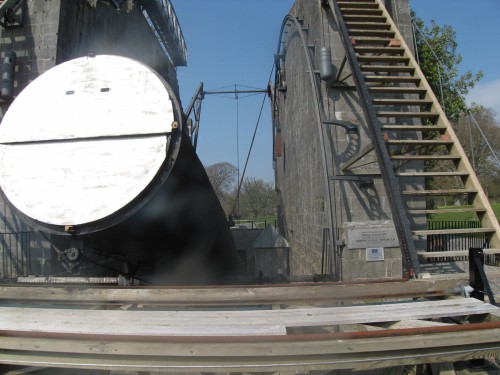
x,y
300,170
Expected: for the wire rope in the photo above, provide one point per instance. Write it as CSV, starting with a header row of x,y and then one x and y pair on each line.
x,y
240,179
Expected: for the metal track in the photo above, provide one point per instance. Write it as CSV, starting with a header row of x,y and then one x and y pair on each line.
x,y
133,335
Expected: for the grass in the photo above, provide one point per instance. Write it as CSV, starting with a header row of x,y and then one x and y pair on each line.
x,y
462,216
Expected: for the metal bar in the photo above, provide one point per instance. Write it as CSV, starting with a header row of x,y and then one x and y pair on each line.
x,y
478,279
198,95
256,91
237,295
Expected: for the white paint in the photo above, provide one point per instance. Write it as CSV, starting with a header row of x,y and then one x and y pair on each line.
x,y
86,170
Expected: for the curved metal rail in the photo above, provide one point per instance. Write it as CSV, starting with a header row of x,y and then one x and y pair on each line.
x,y
288,21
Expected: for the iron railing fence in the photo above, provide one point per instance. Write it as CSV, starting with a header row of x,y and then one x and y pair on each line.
x,y
453,241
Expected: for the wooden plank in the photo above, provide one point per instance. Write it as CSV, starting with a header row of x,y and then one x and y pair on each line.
x,y
237,295
94,137
316,344
454,253
452,231
225,323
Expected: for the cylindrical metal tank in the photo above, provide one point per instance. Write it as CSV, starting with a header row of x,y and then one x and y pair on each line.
x,y
94,149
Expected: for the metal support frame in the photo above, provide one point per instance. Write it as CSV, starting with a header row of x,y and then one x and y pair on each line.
x,y
348,126
194,106
164,23
478,279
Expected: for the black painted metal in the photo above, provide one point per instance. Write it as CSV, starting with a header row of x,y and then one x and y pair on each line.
x,y
399,215
478,279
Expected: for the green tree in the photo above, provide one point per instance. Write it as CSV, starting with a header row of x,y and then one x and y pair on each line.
x,y
439,60
223,178
258,198
480,135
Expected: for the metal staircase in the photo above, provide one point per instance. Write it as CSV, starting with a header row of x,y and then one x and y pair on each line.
x,y
409,120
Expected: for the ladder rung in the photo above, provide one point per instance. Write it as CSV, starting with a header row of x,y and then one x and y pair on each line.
x,y
414,128
447,211
426,232
409,102
408,114
425,157
357,11
368,25
392,79
432,174
384,58
418,142
379,33
364,18
380,50
454,253
344,5
387,68
372,41
397,90
439,192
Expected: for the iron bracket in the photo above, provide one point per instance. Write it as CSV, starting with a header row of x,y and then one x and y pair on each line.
x,y
348,126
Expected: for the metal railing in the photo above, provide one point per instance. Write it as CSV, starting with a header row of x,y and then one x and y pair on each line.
x,y
15,254
461,241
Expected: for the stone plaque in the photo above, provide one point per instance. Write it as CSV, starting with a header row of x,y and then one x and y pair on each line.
x,y
372,237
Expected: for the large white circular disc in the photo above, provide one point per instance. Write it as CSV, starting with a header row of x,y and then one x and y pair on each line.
x,y
84,139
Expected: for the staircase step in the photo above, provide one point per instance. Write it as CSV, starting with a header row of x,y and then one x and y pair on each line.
x,y
384,58
414,128
392,79
410,102
408,114
425,157
380,50
454,253
387,68
446,211
440,192
344,5
367,41
397,90
365,12
377,33
368,25
432,174
426,232
364,18
419,142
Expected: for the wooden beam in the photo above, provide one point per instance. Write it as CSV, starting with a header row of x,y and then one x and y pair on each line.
x,y
237,295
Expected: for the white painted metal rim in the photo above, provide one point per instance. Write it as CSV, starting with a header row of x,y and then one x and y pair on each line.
x,y
84,139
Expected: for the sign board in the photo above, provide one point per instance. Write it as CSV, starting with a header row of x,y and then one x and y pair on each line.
x,y
360,237
374,254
